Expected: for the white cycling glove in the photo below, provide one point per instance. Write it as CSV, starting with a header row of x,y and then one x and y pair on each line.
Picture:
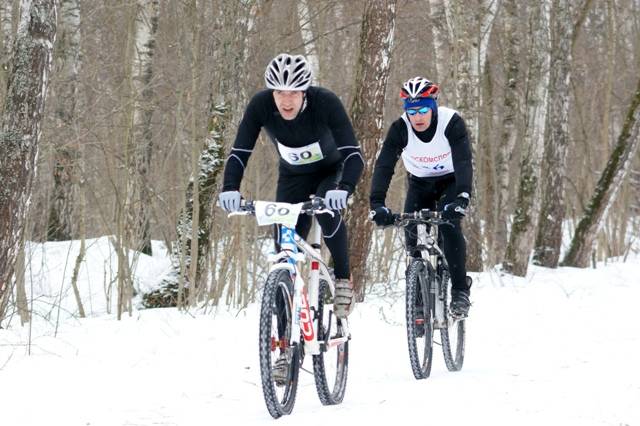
x,y
336,199
230,200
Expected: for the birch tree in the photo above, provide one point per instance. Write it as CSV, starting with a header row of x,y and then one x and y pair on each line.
x,y
469,29
483,23
439,34
21,121
523,228
552,214
146,27
509,126
65,96
367,111
608,186
309,40
125,229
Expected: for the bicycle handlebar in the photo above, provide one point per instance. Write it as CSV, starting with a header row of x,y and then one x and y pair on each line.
x,y
312,207
424,216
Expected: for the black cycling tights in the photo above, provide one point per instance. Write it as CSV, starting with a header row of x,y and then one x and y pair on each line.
x,y
431,195
296,189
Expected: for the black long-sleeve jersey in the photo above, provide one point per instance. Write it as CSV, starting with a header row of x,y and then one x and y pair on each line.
x,y
396,141
319,138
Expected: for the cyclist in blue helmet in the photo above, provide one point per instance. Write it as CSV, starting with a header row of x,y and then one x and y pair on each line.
x,y
435,149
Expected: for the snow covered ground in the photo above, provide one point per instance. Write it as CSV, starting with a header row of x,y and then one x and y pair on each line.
x,y
558,347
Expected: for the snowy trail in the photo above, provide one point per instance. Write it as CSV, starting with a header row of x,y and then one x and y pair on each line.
x,y
561,347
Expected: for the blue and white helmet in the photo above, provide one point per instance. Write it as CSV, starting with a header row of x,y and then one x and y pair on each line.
x,y
287,72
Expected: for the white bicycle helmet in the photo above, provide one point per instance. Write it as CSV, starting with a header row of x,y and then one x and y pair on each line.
x,y
287,72
419,87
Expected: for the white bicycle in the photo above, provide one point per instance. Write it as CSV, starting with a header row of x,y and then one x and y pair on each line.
x,y
297,317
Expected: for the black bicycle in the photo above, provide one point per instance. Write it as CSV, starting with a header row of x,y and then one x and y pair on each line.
x,y
428,297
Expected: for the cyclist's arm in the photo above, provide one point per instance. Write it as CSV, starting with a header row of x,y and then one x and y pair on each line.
x,y
342,130
456,133
246,137
392,147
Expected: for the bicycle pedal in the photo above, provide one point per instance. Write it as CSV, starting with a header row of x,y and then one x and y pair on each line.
x,y
458,316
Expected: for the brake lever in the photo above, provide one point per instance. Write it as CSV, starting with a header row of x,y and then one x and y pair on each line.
x,y
326,211
239,213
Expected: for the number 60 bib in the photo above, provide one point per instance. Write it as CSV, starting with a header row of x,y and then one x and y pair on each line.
x,y
303,155
268,213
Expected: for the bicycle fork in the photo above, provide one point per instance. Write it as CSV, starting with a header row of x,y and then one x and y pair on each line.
x,y
439,306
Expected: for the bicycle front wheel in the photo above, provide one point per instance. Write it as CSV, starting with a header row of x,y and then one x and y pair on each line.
x,y
419,319
331,366
279,361
453,335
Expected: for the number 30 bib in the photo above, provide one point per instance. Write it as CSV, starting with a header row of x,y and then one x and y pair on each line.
x,y
299,156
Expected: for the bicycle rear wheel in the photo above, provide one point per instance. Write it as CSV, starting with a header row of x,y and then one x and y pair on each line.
x,y
331,366
419,319
453,335
274,337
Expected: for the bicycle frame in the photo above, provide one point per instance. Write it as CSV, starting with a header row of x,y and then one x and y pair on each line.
x,y
436,260
305,303
431,272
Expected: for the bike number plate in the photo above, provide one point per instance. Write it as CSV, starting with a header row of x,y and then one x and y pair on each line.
x,y
268,213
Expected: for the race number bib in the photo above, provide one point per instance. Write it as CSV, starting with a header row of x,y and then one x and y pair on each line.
x,y
299,156
268,213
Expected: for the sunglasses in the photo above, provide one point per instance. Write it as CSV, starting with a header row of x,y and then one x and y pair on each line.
x,y
422,110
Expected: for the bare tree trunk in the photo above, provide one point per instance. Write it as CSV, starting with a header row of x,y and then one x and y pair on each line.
x,y
195,255
74,277
549,233
610,181
634,182
509,127
470,28
21,119
210,164
21,292
439,38
367,112
307,37
61,209
607,91
147,16
82,228
481,150
6,31
524,225
125,232
6,41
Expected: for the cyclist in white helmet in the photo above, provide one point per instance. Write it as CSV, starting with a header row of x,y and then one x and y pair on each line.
x,y
435,149
318,151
